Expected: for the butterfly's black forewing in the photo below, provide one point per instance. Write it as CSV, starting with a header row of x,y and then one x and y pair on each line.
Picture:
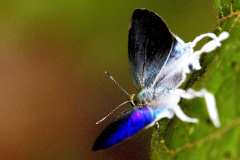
x,y
149,44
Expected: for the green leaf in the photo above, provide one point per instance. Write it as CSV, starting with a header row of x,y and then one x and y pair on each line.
x,y
221,75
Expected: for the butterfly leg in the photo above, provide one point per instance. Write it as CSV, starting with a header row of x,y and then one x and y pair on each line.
x,y
193,60
209,99
157,125
211,45
182,116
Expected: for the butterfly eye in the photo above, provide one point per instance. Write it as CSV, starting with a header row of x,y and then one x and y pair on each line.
x,y
136,100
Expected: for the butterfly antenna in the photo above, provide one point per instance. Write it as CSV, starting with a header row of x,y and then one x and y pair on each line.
x,y
116,83
110,113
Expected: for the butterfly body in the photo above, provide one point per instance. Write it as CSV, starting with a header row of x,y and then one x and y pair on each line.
x,y
160,62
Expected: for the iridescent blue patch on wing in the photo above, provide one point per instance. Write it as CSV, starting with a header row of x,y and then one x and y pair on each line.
x,y
125,127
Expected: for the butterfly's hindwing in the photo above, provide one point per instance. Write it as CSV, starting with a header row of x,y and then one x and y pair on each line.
x,y
172,74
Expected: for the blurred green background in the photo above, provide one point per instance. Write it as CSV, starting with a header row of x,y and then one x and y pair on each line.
x,y
52,58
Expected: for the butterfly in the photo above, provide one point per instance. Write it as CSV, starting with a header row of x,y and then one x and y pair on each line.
x,y
160,62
